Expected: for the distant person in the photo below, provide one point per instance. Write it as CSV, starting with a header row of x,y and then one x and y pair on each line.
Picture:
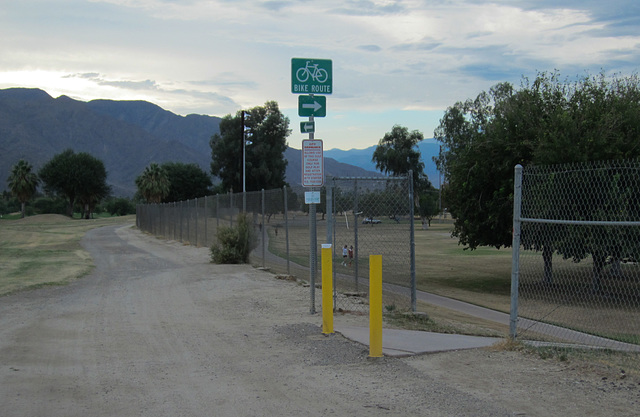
x,y
345,253
350,255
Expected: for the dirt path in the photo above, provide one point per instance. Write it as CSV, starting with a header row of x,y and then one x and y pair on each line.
x,y
156,330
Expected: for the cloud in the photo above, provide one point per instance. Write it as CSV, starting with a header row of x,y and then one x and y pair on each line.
x,y
370,48
216,56
275,6
492,72
416,46
86,75
123,84
190,99
368,8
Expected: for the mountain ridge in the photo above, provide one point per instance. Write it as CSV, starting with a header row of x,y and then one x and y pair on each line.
x,y
125,135
428,148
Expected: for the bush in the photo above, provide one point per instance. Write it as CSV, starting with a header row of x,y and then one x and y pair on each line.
x,y
119,206
50,205
234,243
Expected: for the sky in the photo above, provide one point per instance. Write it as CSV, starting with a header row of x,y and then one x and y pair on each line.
x,y
394,61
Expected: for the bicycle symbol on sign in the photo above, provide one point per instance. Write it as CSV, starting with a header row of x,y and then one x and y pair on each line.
x,y
317,74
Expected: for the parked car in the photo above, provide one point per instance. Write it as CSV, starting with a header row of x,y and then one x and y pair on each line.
x,y
369,220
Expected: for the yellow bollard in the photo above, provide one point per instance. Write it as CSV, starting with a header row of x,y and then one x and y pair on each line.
x,y
375,306
327,289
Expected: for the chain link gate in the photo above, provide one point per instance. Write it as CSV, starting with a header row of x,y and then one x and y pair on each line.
x,y
372,216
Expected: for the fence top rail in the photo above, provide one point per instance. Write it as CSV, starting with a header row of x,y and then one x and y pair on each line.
x,y
367,178
580,222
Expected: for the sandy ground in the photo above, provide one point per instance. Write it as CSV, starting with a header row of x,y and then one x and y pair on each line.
x,y
156,330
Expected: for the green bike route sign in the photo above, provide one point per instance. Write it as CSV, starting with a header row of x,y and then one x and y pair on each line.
x,y
311,76
312,106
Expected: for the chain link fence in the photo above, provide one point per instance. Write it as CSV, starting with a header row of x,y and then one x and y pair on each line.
x,y
576,270
282,222
373,216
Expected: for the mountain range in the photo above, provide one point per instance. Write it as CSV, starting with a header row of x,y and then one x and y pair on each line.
x,y
129,135
362,158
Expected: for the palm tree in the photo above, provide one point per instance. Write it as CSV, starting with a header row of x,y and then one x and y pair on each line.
x,y
153,183
23,183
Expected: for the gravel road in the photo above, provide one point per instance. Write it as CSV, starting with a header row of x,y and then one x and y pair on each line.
x,y
157,330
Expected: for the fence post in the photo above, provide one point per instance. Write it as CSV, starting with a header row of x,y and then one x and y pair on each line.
x,y
160,220
206,214
181,206
355,232
330,233
175,221
286,226
264,231
412,243
196,226
329,210
515,251
230,208
188,213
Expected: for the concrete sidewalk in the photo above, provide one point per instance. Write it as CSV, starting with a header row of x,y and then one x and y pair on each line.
x,y
396,342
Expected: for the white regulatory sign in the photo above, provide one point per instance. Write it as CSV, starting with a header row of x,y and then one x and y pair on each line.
x,y
312,163
312,197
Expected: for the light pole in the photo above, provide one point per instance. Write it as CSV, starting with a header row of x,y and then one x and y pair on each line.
x,y
245,142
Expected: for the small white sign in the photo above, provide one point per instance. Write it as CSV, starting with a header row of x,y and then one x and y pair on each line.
x,y
312,197
312,163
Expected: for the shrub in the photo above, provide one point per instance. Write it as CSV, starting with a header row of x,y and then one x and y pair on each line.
x,y
50,205
119,206
234,243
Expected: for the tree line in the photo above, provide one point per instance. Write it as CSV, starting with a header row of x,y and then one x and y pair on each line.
x,y
247,152
546,121
69,179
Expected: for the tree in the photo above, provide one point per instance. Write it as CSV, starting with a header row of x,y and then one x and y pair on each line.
x,y
546,121
153,184
187,181
120,206
267,128
22,183
93,187
397,153
78,177
429,208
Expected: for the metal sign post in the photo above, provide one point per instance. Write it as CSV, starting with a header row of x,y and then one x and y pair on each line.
x,y
309,77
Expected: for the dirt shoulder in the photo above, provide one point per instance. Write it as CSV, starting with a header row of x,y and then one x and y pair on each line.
x,y
157,330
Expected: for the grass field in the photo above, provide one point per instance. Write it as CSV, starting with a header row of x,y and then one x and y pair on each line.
x,y
45,250
443,267
481,276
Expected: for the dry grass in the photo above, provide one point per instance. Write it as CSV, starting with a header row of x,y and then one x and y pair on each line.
x,y
45,250
481,276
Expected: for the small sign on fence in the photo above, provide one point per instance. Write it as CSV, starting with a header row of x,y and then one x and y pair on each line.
x,y
312,197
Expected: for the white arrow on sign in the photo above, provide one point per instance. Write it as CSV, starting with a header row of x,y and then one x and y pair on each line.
x,y
315,106
308,127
